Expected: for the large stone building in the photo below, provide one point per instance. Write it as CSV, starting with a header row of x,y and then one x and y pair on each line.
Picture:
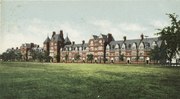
x,y
103,48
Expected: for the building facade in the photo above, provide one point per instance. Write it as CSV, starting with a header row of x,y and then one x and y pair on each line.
x,y
103,48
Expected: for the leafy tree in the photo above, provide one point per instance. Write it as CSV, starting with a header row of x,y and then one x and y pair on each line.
x,y
46,57
90,57
121,57
163,53
154,54
77,57
171,35
66,57
18,56
34,54
11,55
137,56
4,56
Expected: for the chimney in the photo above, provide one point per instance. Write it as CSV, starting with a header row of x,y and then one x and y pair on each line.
x,y
32,45
54,33
83,42
109,37
61,33
37,46
12,48
16,48
73,42
142,36
124,38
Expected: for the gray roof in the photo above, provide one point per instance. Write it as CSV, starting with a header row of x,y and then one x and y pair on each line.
x,y
104,36
57,37
148,42
47,40
95,36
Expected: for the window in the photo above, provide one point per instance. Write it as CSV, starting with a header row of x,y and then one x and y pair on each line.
x,y
51,43
133,53
91,43
100,41
100,48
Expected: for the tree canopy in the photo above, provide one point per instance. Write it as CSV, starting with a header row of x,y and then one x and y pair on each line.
x,y
171,36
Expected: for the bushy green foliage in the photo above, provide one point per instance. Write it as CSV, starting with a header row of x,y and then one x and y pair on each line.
x,y
88,81
171,35
90,57
11,55
155,54
77,57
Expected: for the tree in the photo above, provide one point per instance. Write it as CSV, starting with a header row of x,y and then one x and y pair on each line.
x,y
66,57
137,56
171,35
47,58
77,57
90,57
4,56
121,57
154,54
18,56
163,53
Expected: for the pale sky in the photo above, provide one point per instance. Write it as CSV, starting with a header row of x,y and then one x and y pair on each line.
x,y
25,21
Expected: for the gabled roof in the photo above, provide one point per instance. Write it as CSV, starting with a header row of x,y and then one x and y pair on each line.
x,y
104,37
67,41
95,36
47,40
148,42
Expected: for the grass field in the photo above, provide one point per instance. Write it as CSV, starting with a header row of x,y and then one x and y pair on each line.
x,y
88,81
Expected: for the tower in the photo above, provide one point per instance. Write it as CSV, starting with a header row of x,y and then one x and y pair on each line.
x,y
46,45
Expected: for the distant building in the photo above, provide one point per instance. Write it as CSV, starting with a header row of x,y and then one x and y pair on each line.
x,y
103,48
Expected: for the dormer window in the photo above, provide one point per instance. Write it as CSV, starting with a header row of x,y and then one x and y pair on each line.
x,y
117,46
134,46
154,44
107,47
141,46
123,46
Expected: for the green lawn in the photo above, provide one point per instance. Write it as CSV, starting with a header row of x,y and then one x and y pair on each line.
x,y
88,81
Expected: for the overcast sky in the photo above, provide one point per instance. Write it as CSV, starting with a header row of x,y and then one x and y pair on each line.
x,y
34,20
